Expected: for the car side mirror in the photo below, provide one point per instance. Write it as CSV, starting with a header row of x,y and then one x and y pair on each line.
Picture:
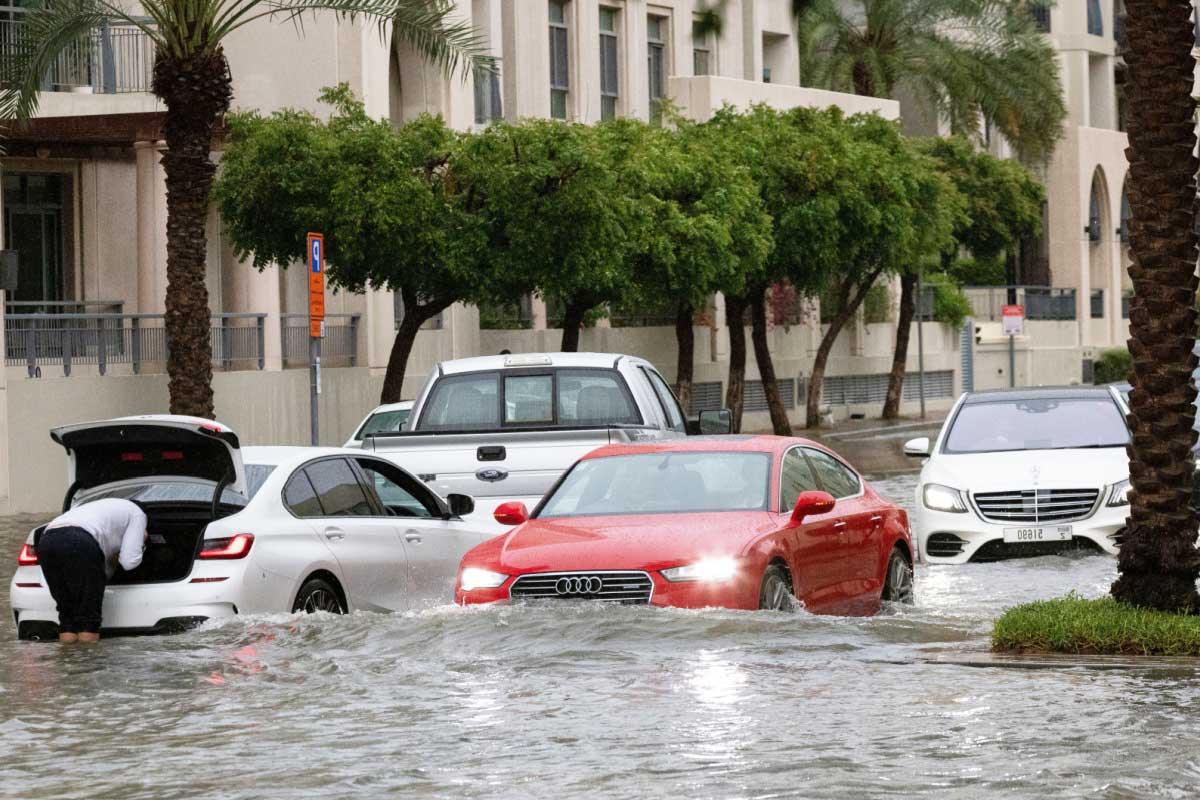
x,y
810,504
511,513
917,448
717,422
460,504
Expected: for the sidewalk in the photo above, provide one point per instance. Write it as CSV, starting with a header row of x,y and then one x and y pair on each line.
x,y
874,446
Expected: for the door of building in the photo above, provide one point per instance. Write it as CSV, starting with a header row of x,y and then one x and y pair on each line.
x,y
33,226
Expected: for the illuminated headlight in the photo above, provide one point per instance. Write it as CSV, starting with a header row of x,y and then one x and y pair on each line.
x,y
943,498
1118,495
476,578
712,570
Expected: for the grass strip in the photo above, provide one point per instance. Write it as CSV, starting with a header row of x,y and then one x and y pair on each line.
x,y
1074,624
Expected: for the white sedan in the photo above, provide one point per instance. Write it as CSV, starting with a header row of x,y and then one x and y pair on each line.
x,y
387,418
264,529
1024,472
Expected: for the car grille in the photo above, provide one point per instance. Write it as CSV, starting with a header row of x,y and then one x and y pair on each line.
x,y
943,545
1026,506
631,588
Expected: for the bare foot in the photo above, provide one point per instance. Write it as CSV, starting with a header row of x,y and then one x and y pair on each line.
x,y
88,638
68,637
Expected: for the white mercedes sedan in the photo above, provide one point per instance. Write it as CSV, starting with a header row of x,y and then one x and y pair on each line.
x,y
1024,472
260,529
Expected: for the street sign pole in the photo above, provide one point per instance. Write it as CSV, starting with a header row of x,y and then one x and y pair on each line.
x,y
1012,321
316,327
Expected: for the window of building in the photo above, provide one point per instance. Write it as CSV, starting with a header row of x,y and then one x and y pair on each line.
x,y
702,59
1041,16
37,224
657,30
1095,22
434,323
487,96
1093,228
610,73
560,80
1126,216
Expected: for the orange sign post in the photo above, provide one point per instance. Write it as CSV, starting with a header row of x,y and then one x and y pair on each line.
x,y
316,324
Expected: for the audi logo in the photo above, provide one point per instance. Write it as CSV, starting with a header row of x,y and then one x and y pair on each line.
x,y
581,584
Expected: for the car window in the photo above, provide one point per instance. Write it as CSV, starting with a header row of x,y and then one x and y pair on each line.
x,y
1037,423
338,489
528,399
300,497
395,491
594,397
834,476
184,491
666,398
463,402
796,476
383,422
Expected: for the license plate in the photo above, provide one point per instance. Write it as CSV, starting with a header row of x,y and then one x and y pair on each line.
x,y
1056,533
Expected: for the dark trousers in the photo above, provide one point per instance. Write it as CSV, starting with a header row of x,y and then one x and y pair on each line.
x,y
73,565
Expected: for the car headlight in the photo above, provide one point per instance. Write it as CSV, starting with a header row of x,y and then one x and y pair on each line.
x,y
943,498
710,570
476,578
1118,495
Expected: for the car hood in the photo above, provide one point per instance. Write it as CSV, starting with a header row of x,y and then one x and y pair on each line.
x,y
648,541
1028,469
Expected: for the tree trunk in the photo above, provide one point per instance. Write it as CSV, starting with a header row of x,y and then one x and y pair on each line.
x,y
850,298
766,368
908,307
685,336
415,315
196,91
573,316
735,314
1159,563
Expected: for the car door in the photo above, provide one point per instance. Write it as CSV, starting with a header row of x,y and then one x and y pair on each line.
x,y
817,545
363,539
861,522
434,542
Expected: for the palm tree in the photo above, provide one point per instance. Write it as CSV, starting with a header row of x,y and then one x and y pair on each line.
x,y
191,77
1159,563
968,60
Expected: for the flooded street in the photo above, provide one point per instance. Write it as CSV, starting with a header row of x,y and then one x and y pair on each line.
x,y
596,702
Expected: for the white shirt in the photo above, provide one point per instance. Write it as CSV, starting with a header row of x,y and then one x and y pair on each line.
x,y
119,527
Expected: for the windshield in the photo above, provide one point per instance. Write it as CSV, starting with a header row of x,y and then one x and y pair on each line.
x,y
383,422
662,483
1037,424
186,491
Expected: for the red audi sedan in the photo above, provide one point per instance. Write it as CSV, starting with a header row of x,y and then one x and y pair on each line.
x,y
746,522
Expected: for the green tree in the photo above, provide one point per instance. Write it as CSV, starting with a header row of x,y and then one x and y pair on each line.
x,y
191,77
1159,562
395,205
1003,205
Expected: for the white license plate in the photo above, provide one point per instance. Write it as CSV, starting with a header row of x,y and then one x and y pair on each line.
x,y
1056,533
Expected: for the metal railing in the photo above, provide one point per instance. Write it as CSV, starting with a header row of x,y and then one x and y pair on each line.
x,y
339,348
113,58
24,307
140,340
1040,302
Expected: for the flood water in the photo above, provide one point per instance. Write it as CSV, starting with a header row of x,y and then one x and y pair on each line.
x,y
597,702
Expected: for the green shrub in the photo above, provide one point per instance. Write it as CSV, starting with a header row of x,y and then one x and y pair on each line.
x,y
1112,365
877,305
1103,626
950,305
978,272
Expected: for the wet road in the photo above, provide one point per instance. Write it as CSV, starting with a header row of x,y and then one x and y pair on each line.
x,y
599,702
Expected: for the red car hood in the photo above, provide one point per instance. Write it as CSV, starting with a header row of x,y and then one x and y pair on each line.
x,y
648,541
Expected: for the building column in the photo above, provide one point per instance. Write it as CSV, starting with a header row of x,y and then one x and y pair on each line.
x,y
537,310
525,74
1116,336
151,228
1083,297
379,327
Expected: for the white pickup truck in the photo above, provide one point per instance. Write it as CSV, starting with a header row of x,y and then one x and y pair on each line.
x,y
503,428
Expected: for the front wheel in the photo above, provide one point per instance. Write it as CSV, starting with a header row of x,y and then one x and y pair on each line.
x,y
898,583
776,592
317,594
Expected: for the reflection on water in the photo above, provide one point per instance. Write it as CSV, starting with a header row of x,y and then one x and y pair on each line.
x,y
598,702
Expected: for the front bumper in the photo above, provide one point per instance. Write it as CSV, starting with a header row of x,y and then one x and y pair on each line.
x,y
960,538
739,593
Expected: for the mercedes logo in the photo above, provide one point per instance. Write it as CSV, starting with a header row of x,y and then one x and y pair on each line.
x,y
578,585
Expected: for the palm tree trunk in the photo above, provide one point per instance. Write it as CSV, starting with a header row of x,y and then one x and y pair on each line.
x,y
1159,562
908,306
735,318
573,316
685,336
766,367
197,91
850,298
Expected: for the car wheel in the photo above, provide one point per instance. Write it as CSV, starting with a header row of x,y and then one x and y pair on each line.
x,y
776,592
317,594
898,583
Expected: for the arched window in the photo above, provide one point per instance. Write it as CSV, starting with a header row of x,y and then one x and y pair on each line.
x,y
1126,215
1093,226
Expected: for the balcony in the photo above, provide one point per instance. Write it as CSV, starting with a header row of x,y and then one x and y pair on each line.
x,y
113,58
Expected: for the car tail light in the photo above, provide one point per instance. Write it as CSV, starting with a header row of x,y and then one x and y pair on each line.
x,y
229,547
27,557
